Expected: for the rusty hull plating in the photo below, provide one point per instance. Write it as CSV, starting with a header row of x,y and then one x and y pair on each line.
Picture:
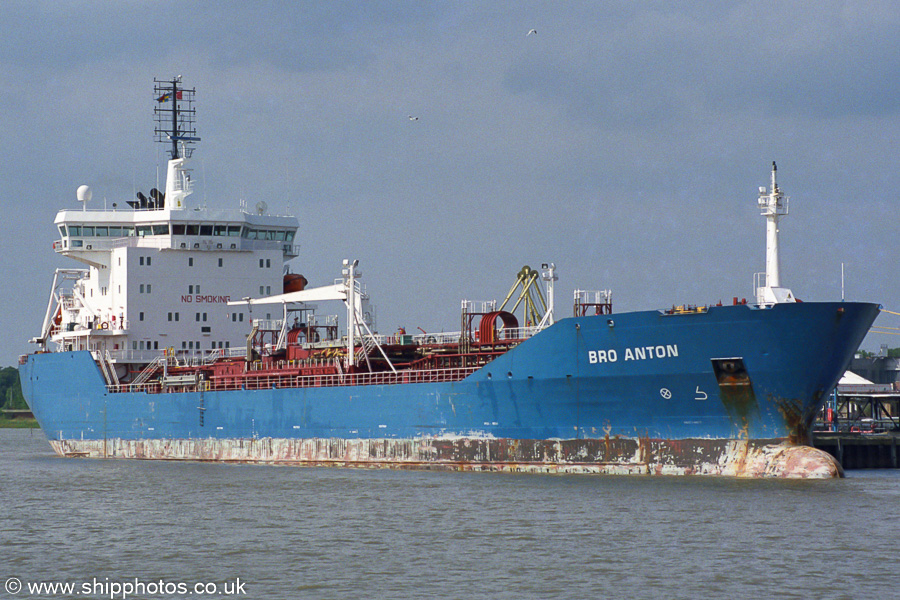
x,y
548,405
612,456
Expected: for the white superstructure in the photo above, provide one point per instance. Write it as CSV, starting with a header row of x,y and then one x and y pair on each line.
x,y
159,273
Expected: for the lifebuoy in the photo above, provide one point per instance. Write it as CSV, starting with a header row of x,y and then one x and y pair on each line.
x,y
104,325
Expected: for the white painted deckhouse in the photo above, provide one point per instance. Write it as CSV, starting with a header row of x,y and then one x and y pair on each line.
x,y
159,271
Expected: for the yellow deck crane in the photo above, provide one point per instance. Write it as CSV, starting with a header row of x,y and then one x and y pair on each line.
x,y
529,294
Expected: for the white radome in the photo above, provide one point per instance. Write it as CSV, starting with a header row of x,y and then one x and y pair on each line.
x,y
84,193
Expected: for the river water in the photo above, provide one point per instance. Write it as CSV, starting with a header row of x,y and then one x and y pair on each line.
x,y
242,531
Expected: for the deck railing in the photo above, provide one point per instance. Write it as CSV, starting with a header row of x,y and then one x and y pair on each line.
x,y
270,380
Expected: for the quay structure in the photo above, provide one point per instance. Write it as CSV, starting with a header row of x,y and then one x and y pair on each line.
x,y
860,423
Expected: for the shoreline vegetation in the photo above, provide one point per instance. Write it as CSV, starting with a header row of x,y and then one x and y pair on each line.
x,y
18,423
12,401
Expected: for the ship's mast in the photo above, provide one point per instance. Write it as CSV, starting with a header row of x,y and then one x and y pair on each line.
x,y
175,115
773,205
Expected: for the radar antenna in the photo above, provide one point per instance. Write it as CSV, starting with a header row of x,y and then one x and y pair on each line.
x,y
175,114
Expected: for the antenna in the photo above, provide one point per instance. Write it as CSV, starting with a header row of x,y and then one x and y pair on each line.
x,y
842,282
175,115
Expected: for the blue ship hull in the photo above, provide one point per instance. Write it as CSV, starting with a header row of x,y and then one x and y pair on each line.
x,y
611,393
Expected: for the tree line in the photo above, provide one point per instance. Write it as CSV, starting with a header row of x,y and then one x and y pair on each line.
x,y
891,353
11,389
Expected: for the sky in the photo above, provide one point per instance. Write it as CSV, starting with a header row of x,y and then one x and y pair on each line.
x,y
624,141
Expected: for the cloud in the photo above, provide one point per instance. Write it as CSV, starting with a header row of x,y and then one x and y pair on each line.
x,y
624,142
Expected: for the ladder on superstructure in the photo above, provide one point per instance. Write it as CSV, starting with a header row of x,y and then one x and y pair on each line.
x,y
149,370
108,368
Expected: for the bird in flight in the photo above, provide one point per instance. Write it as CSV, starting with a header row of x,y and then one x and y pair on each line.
x,y
530,32
412,118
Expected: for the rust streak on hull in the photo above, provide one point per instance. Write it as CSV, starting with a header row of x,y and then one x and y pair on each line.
x,y
619,456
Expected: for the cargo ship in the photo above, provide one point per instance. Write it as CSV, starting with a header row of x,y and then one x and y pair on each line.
x,y
185,337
